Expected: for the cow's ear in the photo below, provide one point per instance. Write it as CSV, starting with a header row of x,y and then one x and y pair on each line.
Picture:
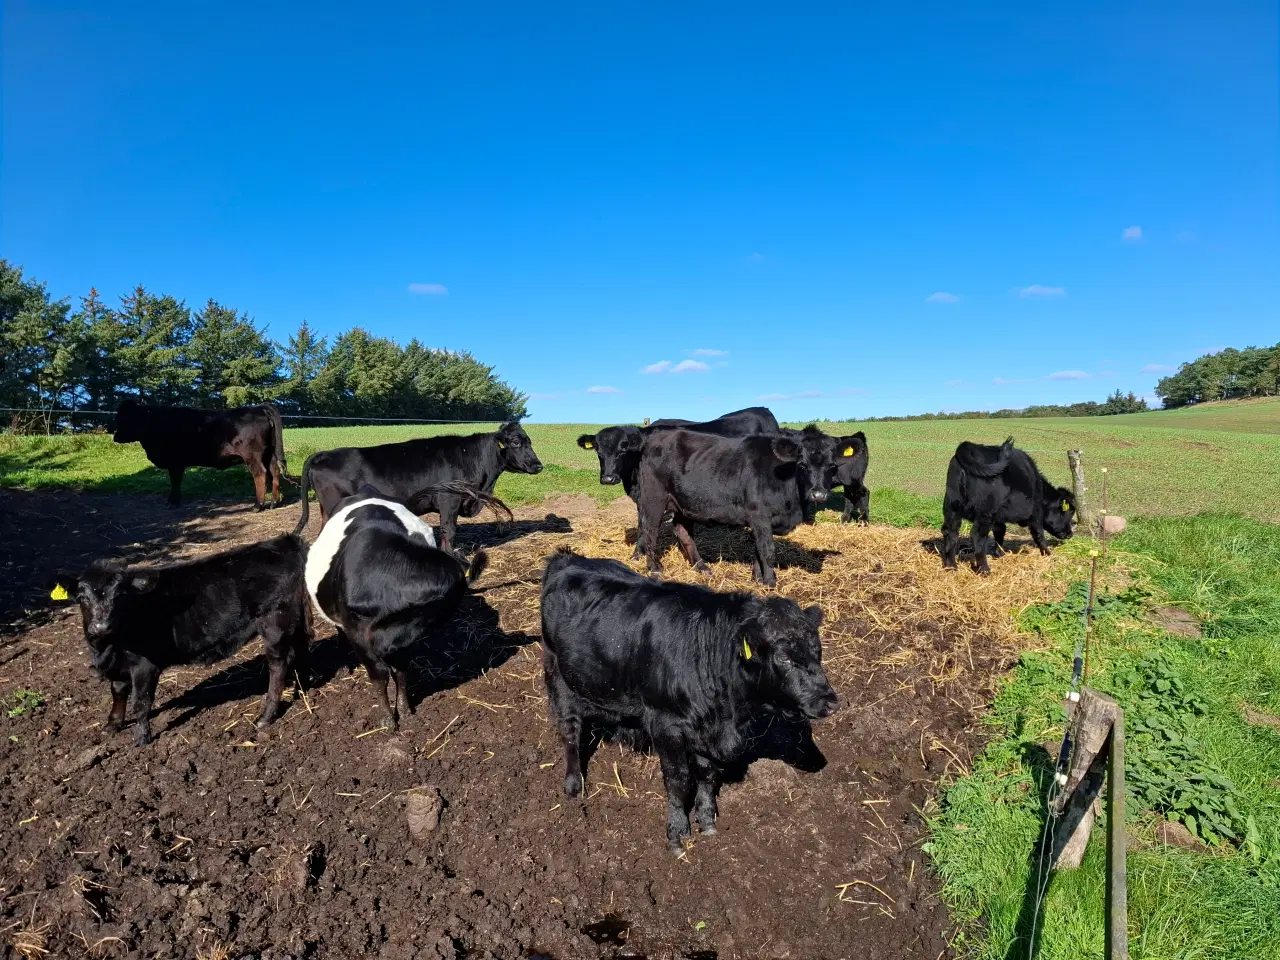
x,y
64,586
787,450
587,441
143,582
814,615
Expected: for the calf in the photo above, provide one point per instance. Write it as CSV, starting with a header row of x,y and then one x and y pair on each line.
x,y
140,620
684,667
993,486
760,482
175,438
618,448
849,471
375,573
404,470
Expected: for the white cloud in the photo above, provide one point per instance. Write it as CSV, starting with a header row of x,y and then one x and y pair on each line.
x,y
850,391
1157,368
955,383
690,366
603,390
430,289
708,352
1069,375
803,395
1185,236
755,257
1039,290
659,367
544,396
1131,234
942,297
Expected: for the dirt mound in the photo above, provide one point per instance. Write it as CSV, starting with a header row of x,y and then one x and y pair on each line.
x,y
325,836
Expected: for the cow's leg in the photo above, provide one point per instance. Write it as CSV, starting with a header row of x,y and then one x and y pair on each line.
x,y
259,484
847,514
175,485
650,510
687,545
274,469
449,507
278,642
1037,537
863,500
997,534
979,534
950,537
403,707
676,777
144,675
119,703
704,800
567,713
763,571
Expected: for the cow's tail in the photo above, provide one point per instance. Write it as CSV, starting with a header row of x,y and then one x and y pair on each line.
x,y
458,489
477,566
277,427
305,483
975,461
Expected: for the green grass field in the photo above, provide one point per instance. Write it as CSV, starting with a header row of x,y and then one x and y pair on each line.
x,y
1220,457
1199,718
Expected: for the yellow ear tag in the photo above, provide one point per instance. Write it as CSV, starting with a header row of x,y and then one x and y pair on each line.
x,y
848,452
1066,507
59,593
746,649
589,445
501,445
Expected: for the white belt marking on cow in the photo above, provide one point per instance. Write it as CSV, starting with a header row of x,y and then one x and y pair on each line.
x,y
320,556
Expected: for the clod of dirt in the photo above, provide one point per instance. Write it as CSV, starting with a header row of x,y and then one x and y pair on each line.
x,y
1176,835
394,752
1258,718
308,867
81,761
571,506
1176,621
422,810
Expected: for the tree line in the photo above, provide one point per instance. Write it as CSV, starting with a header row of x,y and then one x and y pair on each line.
x,y
1118,402
1226,375
156,349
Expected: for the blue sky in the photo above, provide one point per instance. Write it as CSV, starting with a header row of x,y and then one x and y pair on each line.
x,y
635,211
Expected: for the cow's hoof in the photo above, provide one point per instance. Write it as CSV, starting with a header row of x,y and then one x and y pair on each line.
x,y
702,568
1045,551
112,726
573,785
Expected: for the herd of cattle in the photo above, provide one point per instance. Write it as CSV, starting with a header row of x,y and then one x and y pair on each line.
x,y
677,667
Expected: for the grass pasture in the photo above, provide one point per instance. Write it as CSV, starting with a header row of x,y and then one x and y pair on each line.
x,y
1219,458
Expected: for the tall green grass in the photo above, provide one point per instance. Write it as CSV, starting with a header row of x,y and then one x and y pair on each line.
x,y
1182,904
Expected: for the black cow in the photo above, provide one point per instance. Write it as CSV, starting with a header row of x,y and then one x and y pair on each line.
x,y
404,470
760,482
375,573
618,448
849,471
993,486
175,438
140,620
681,666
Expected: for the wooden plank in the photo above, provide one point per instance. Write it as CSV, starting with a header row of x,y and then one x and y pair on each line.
x,y
1084,515
1117,911
1091,724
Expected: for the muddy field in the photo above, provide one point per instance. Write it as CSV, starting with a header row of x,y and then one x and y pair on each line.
x,y
327,836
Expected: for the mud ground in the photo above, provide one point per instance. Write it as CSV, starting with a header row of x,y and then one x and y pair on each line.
x,y
326,836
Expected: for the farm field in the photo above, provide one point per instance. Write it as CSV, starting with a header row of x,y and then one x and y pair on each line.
x,y
907,820
1218,458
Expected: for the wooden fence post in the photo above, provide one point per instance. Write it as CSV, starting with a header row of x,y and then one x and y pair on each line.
x,y
1117,937
1084,513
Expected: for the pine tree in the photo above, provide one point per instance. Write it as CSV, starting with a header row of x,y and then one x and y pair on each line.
x,y
231,361
303,357
151,334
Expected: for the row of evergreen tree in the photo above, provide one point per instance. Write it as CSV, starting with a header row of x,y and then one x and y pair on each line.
x,y
1226,375
157,349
